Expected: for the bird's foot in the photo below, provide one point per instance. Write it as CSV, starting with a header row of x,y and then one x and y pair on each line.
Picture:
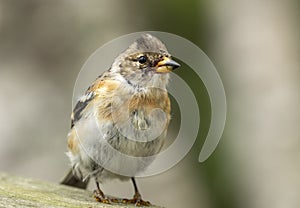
x,y
100,197
137,201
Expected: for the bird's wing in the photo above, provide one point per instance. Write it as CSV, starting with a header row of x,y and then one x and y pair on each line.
x,y
101,90
98,94
80,106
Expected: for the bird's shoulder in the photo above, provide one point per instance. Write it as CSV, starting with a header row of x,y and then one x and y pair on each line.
x,y
99,91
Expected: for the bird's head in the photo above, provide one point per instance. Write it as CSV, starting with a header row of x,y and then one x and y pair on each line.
x,y
145,63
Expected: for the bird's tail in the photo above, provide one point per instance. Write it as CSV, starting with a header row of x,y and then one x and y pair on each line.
x,y
71,180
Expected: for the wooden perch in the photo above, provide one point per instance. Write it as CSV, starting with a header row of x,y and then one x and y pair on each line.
x,y
24,192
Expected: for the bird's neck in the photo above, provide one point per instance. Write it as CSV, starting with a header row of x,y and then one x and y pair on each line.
x,y
155,81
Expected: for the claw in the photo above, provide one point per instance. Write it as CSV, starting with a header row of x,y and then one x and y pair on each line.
x,y
100,197
137,201
141,202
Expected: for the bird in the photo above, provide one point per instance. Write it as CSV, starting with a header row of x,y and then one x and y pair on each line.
x,y
129,105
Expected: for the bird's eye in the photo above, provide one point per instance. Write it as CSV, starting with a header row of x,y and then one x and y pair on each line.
x,y
142,59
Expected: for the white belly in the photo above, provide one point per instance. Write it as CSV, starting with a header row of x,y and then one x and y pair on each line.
x,y
104,152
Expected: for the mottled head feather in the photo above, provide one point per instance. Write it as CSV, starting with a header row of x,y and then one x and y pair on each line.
x,y
139,74
147,43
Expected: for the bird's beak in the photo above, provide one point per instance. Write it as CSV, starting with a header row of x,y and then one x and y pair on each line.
x,y
166,65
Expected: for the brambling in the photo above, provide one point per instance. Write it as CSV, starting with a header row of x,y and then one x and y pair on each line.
x,y
120,104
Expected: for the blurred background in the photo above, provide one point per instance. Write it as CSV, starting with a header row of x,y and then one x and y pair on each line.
x,y
255,46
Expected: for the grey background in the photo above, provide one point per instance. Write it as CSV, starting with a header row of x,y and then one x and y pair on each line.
x,y
255,47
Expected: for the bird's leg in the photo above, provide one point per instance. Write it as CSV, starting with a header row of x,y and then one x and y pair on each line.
x,y
99,195
137,198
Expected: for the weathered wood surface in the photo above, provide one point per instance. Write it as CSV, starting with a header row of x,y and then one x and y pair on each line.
x,y
24,192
